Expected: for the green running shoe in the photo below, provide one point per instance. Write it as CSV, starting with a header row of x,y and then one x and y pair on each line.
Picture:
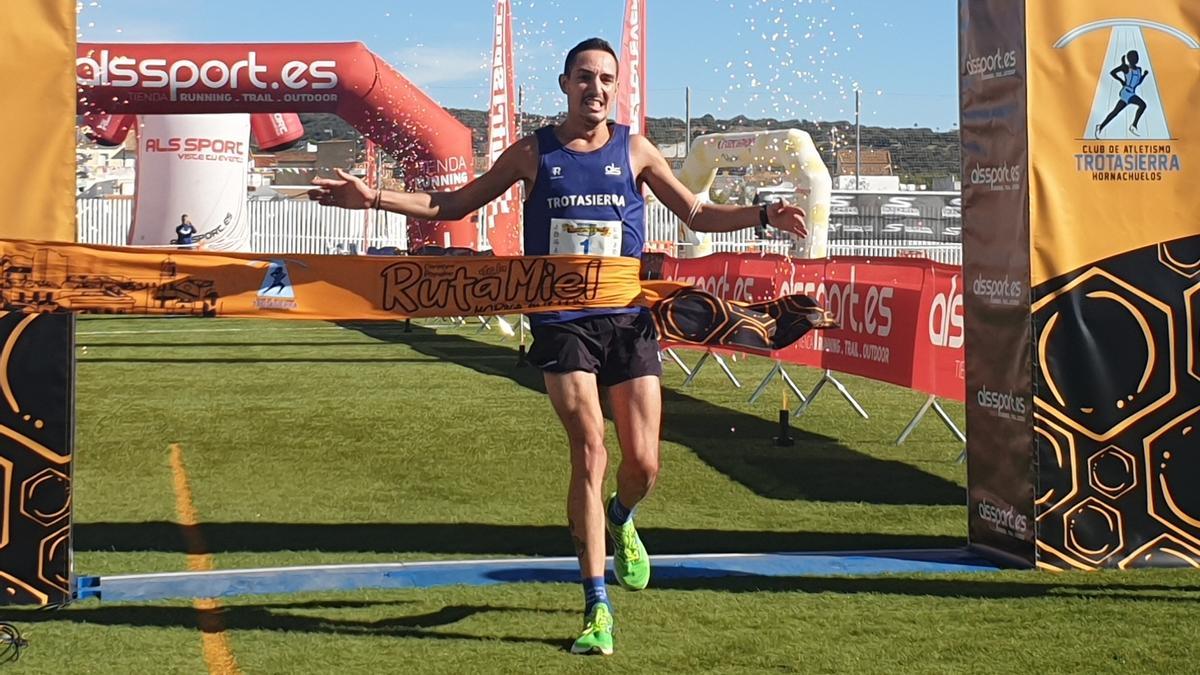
x,y
631,563
596,637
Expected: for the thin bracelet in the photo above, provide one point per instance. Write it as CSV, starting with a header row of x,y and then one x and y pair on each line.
x,y
378,198
692,214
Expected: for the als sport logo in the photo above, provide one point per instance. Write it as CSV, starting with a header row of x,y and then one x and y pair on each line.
x,y
866,309
1127,104
1001,178
1001,63
996,291
946,318
213,80
1004,518
198,148
1008,405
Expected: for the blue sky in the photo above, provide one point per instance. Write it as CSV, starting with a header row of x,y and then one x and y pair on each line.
x,y
778,58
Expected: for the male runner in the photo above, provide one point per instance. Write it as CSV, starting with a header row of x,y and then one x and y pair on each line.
x,y
583,179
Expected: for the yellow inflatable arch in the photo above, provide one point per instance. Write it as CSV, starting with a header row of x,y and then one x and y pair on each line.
x,y
790,149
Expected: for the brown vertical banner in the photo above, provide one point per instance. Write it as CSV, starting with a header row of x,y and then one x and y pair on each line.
x,y
36,435
1082,263
37,66
1000,468
1114,204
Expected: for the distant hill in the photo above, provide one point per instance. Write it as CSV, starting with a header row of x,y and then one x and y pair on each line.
x,y
918,153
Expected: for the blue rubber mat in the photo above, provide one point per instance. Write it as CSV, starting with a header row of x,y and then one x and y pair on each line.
x,y
223,583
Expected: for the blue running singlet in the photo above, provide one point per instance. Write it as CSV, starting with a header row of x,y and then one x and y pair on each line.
x,y
1133,79
584,203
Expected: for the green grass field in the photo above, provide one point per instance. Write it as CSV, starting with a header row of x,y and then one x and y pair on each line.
x,y
307,442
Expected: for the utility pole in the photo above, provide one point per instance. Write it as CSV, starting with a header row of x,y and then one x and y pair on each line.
x,y
687,120
857,139
520,111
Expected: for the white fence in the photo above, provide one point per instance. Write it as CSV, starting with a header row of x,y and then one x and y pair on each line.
x,y
950,254
307,227
103,221
663,226
275,226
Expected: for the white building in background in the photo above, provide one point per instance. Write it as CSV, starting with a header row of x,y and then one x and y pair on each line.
x,y
868,183
102,171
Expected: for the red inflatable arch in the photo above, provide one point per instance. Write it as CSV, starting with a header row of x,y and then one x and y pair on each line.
x,y
108,130
342,78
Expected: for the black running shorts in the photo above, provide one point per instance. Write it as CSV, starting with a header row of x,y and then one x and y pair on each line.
x,y
615,347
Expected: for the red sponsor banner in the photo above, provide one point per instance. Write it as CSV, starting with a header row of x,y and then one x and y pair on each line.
x,y
731,276
941,354
631,79
877,305
502,215
901,318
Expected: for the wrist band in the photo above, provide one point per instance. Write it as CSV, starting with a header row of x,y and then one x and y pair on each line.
x,y
378,198
762,216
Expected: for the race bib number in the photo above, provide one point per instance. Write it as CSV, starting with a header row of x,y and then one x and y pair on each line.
x,y
585,237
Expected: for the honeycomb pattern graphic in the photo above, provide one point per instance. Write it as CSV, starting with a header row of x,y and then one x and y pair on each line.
x,y
36,408
1163,551
1181,257
1192,295
54,554
696,317
1094,530
1171,456
46,497
1100,402
1117,419
1112,472
1057,477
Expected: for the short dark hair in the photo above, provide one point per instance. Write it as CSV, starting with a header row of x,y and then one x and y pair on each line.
x,y
587,45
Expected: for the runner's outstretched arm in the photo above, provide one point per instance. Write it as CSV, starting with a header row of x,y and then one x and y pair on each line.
x,y
655,172
518,162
